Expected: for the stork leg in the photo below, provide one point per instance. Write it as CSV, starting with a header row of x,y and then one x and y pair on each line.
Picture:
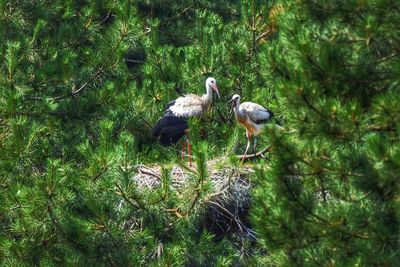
x,y
247,148
188,148
182,150
254,146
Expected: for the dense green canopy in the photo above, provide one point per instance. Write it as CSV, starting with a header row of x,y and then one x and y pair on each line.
x,y
83,82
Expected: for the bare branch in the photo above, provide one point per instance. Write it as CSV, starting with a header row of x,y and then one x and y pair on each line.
x,y
258,154
144,170
237,221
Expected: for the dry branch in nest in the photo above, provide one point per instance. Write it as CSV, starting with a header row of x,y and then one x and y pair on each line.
x,y
226,206
255,155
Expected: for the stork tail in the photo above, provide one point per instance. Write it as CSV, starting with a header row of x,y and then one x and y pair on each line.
x,y
169,129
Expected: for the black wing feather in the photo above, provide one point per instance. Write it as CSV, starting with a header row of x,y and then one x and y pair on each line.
x,y
169,129
170,104
271,115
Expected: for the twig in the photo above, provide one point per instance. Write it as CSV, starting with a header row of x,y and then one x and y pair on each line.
x,y
176,212
135,61
124,196
192,170
193,204
258,154
262,35
11,209
103,170
145,170
74,92
238,222
184,11
221,192
216,194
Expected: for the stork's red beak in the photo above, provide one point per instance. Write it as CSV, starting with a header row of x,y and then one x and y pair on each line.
x,y
215,88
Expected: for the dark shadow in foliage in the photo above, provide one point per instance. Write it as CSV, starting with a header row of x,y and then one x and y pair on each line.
x,y
227,217
221,224
175,21
173,24
134,60
107,18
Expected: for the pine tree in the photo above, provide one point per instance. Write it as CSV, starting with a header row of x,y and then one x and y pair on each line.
x,y
61,64
329,196
81,84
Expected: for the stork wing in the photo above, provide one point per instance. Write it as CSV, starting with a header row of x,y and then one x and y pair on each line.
x,y
187,106
171,103
256,112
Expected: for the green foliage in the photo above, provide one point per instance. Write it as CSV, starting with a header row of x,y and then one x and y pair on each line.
x,y
82,83
330,196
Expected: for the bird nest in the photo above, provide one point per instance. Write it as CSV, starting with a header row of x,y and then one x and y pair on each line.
x,y
224,210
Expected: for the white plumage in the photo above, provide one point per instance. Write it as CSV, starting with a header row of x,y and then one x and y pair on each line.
x,y
192,105
255,111
189,106
173,125
253,117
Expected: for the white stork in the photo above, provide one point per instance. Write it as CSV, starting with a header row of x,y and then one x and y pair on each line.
x,y
173,124
253,117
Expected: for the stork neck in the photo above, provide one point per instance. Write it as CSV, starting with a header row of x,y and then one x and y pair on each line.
x,y
236,109
208,96
237,105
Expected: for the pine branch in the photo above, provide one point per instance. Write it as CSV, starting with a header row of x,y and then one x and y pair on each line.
x,y
194,201
99,70
264,34
220,115
12,209
311,106
124,196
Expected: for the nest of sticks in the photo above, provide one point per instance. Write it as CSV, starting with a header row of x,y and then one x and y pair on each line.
x,y
224,211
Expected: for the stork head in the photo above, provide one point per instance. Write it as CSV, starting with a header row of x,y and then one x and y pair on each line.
x,y
235,100
212,83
